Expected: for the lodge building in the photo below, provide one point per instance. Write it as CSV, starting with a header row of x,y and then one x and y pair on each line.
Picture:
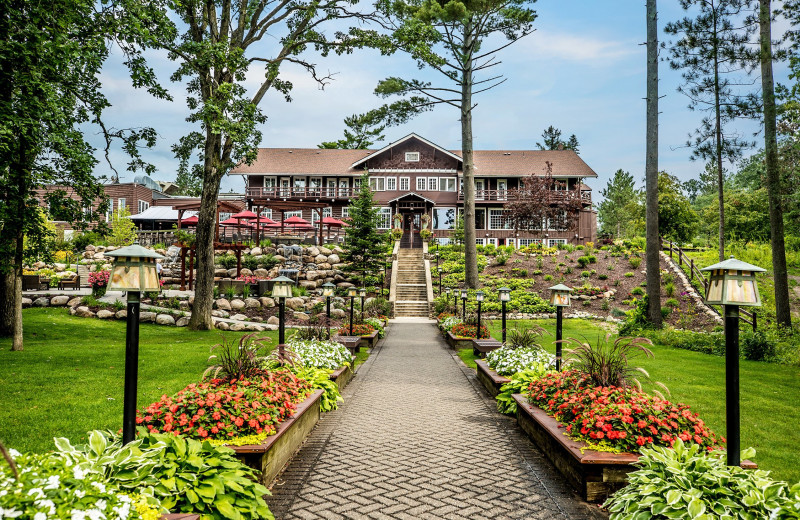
x,y
412,177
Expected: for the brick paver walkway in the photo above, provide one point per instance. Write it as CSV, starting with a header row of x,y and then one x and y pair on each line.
x,y
416,439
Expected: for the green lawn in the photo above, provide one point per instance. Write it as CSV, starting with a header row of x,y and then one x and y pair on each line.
x,y
770,394
69,378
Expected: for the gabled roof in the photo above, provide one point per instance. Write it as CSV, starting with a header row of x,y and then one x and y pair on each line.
x,y
401,141
410,194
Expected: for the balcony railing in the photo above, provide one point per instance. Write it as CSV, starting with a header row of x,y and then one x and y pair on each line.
x,y
294,193
503,195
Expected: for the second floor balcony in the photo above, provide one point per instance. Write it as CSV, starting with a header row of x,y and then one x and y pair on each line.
x,y
504,195
302,192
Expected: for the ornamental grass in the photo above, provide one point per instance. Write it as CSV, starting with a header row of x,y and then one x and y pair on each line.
x,y
223,409
621,418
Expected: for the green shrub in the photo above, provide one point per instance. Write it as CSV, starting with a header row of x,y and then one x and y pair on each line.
x,y
583,261
669,289
602,276
635,262
585,274
519,383
757,347
568,270
672,302
666,311
637,291
586,303
226,261
548,277
250,262
629,275
604,305
685,482
501,259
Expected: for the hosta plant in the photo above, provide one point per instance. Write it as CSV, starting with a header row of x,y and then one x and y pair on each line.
x,y
620,418
790,509
320,380
320,354
519,384
686,482
508,360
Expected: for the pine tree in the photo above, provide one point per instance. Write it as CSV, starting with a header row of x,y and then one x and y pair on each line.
x,y
612,212
363,246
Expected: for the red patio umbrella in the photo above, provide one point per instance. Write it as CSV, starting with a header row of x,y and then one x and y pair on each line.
x,y
296,221
191,221
245,214
229,222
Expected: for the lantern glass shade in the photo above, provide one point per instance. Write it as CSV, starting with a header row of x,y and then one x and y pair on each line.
x,y
559,295
733,282
327,289
505,294
134,269
282,287
439,269
352,292
463,294
479,296
447,291
362,292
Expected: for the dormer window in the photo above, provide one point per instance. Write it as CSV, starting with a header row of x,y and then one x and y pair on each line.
x,y
412,156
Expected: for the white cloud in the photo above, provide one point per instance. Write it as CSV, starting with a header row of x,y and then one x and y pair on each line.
x,y
548,45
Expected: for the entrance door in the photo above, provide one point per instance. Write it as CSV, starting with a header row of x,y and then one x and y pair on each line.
x,y
480,187
269,186
331,188
285,187
343,188
411,226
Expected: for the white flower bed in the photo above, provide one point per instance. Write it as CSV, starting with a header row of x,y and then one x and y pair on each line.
x,y
449,322
508,361
321,354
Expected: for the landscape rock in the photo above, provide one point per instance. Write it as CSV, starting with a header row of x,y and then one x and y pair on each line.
x,y
308,284
312,251
270,326
236,326
256,251
324,251
239,317
165,319
302,316
266,302
42,301
333,259
220,273
105,314
261,273
75,300
346,285
252,303
237,305
223,304
245,272
121,315
217,313
338,314
273,320
295,303
84,312
59,301
253,327
222,325
147,317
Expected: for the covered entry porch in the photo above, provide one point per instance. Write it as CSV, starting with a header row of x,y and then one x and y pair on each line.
x,y
411,207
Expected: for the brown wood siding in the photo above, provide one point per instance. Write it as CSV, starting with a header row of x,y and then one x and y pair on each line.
x,y
429,158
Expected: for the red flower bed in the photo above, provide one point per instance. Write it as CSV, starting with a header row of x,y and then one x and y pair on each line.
x,y
624,417
443,315
220,409
99,279
360,329
464,330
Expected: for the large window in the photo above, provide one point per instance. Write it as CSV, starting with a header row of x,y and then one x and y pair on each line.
x,y
391,183
524,242
555,241
346,212
447,184
405,183
433,183
143,205
385,218
444,218
288,214
377,183
421,183
326,212
121,203
497,219
264,213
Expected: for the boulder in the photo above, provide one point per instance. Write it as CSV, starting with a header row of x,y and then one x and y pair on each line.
x,y
312,275
269,326
252,303
333,259
84,312
236,326
308,284
223,304
324,266
339,314
121,315
232,272
280,258
105,314
324,251
220,314
266,302
261,273
237,305
253,327
76,300
89,248
256,251
239,317
42,301
59,268
59,301
165,319
320,259
302,316
220,273
312,251
26,302
246,272
295,304
87,254
147,317
101,249
273,320
98,256
221,325
345,285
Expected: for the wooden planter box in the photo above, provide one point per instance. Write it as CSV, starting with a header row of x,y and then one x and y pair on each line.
x,y
457,343
341,376
180,516
490,379
480,347
270,457
370,340
595,474
353,343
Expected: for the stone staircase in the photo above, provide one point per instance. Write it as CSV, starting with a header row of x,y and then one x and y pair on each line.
x,y
411,288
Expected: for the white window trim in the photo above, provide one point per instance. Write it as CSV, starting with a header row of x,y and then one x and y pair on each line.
x,y
494,212
122,203
479,242
424,185
412,156
385,218
446,181
377,183
502,195
346,212
391,183
491,242
433,181
311,182
143,205
407,183
524,242
555,241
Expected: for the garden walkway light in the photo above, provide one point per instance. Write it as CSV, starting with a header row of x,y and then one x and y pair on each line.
x,y
463,304
440,279
327,292
479,299
281,290
505,297
351,292
733,284
135,272
559,298
363,293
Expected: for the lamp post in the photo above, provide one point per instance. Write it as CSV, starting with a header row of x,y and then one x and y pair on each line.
x,y
463,304
439,269
134,271
446,297
505,297
437,256
559,298
282,289
363,293
327,292
479,299
455,301
351,292
732,284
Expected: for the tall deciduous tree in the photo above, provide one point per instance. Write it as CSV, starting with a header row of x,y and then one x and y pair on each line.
x,y
459,39
613,212
551,140
363,246
783,313
51,54
711,50
653,242
215,45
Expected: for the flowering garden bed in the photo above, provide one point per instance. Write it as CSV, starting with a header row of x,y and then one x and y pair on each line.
x,y
490,379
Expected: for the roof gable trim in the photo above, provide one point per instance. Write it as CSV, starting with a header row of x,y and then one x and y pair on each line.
x,y
401,141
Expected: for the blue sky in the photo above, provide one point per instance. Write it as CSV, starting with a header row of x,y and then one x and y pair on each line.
x,y
582,70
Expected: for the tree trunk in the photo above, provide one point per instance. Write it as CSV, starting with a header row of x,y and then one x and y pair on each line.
x,y
7,286
653,246
470,250
204,242
718,137
16,342
779,273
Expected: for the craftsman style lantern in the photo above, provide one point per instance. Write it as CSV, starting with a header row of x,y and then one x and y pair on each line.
x,y
134,271
282,289
439,269
505,297
463,304
363,294
327,292
733,285
559,298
